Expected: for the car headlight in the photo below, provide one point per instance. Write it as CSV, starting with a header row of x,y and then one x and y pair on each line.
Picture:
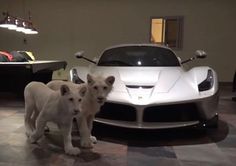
x,y
207,83
75,77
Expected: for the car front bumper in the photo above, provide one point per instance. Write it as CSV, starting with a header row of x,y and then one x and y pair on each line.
x,y
175,115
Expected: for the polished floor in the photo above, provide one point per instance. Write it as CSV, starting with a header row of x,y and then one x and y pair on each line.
x,y
121,147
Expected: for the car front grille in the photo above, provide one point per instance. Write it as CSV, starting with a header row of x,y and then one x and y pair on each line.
x,y
171,113
165,113
114,111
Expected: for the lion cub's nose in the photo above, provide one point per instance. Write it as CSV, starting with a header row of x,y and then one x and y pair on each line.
x,y
100,99
76,111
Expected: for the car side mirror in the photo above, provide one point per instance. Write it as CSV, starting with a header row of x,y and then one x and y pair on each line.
x,y
200,54
80,54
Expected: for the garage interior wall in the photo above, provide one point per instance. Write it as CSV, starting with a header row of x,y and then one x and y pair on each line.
x,y
67,26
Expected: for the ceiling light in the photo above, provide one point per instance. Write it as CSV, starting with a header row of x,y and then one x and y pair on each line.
x,y
30,29
18,24
8,22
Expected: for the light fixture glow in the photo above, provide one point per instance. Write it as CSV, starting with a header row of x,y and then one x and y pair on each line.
x,y
18,24
8,23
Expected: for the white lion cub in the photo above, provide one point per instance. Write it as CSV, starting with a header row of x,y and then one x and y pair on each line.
x,y
43,105
98,88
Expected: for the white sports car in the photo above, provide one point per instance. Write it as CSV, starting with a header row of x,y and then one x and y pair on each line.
x,y
152,90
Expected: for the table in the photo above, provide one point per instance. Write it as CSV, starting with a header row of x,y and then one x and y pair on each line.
x,y
14,76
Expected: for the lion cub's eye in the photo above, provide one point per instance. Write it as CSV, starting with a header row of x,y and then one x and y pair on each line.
x,y
80,100
95,87
105,87
71,99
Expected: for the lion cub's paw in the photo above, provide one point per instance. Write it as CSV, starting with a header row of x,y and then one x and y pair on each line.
x,y
72,151
93,139
86,143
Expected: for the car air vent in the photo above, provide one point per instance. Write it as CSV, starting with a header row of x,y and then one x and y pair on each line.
x,y
140,86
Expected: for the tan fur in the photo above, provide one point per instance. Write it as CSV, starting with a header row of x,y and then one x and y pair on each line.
x,y
43,105
98,88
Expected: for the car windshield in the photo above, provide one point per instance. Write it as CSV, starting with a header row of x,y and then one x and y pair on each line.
x,y
138,56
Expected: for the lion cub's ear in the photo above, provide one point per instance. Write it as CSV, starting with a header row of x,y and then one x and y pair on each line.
x,y
64,90
82,91
110,80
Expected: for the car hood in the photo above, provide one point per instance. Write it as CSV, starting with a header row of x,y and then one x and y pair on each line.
x,y
136,83
143,78
147,85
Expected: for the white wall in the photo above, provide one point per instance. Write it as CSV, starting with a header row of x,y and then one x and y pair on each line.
x,y
66,26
